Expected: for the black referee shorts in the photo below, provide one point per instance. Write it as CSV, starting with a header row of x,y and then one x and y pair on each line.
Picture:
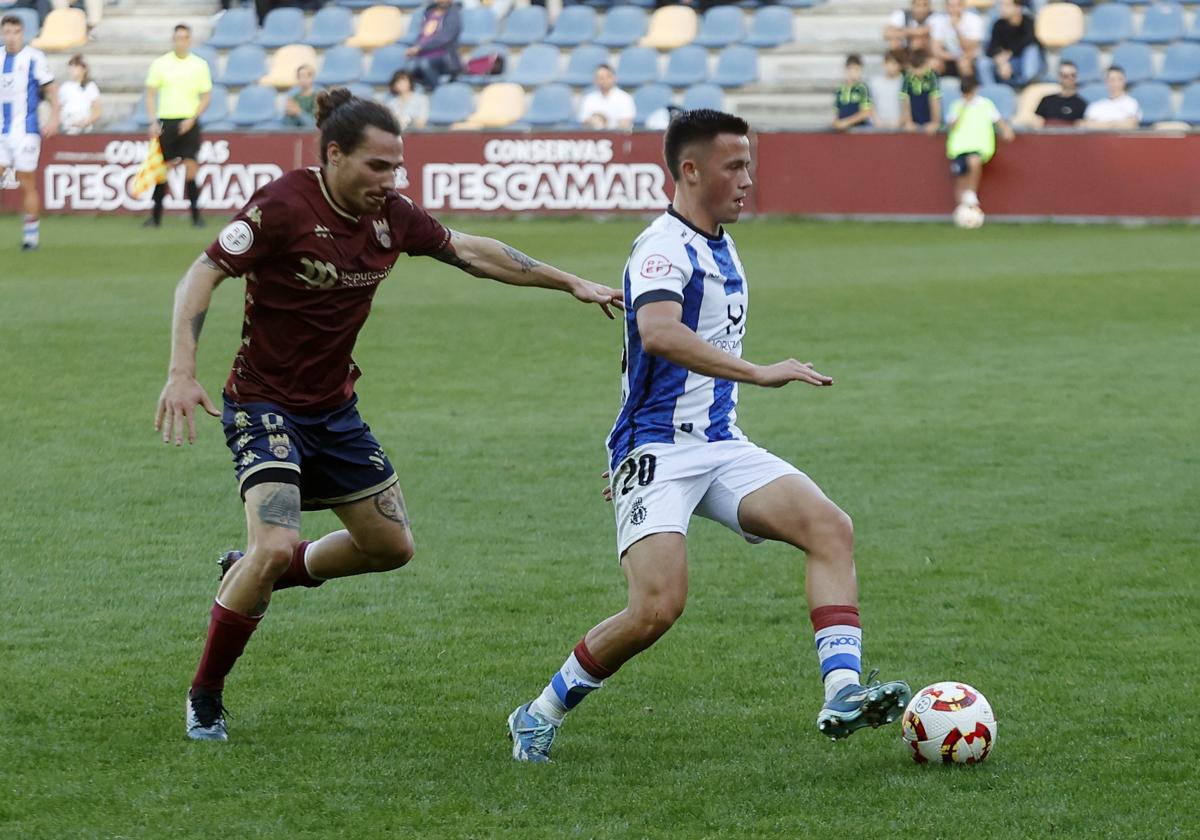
x,y
176,145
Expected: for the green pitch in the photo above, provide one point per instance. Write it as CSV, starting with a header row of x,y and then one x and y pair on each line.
x,y
1014,429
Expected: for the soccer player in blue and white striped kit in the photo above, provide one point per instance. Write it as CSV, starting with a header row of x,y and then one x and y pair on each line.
x,y
675,449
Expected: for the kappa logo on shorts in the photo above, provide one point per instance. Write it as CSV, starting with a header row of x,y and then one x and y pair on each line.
x,y
654,266
236,238
248,458
241,420
280,445
637,515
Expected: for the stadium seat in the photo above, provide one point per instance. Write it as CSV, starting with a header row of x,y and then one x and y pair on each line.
x,y
704,96
413,32
645,4
1134,2
29,17
721,26
670,28
551,106
649,98
637,66
526,25
137,121
234,28
537,65
330,26
450,103
1003,96
1181,64
63,29
1193,34
623,25
950,95
341,66
1162,24
244,65
1093,92
385,61
361,90
366,4
377,27
210,57
483,50
736,66
686,66
581,66
479,26
771,27
1155,101
500,105
1028,101
575,25
1086,57
218,106
283,25
1109,24
1059,24
1189,108
1137,60
255,105
284,64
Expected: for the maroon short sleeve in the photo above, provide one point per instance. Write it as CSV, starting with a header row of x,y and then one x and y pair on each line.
x,y
250,237
417,232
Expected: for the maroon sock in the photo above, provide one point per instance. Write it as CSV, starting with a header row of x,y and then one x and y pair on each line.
x,y
297,574
590,664
228,633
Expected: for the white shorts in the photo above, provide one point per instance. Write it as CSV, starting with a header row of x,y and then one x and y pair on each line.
x,y
20,151
658,486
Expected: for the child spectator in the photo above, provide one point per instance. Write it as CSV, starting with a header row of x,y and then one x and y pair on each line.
x,y
410,106
852,103
921,96
885,91
302,99
78,99
972,123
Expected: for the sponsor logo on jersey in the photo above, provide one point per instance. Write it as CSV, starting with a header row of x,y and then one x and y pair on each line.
x,y
383,233
236,238
322,232
317,274
654,266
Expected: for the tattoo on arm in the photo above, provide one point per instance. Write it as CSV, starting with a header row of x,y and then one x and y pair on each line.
x,y
198,324
282,508
450,256
390,505
523,261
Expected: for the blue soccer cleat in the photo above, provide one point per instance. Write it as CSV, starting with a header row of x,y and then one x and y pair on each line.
x,y
855,707
206,717
531,735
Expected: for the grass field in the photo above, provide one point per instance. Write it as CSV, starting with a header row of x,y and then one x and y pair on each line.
x,y
1014,429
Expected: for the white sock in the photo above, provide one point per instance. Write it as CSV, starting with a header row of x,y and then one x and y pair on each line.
x,y
838,679
307,568
564,691
970,199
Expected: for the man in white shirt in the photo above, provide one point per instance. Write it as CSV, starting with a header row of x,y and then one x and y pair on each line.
x,y
908,30
957,35
607,107
1120,110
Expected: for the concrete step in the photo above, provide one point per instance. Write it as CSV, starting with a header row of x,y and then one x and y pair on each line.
x,y
775,110
139,32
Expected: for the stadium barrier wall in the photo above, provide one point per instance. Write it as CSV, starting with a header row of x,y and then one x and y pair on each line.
x,y
1070,175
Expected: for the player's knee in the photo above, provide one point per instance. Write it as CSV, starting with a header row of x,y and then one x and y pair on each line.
x,y
271,558
390,552
658,615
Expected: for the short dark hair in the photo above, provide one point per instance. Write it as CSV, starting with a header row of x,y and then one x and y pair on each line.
x,y
1063,64
604,66
1116,67
12,20
343,118
919,57
968,84
699,126
854,59
397,76
184,27
897,56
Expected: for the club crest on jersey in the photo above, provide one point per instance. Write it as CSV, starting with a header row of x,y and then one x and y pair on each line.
x,y
637,515
383,233
236,238
654,266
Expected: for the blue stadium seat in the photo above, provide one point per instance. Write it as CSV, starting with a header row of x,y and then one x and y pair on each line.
x,y
551,106
1189,108
385,61
736,66
1136,60
330,26
1155,101
637,66
686,66
575,25
362,90
218,106
137,121
1193,34
720,27
1093,92
234,28
451,103
704,96
209,54
649,98
800,4
479,26
366,4
482,50
950,95
244,65
772,26
538,65
623,25
581,66
1086,57
1109,24
1134,2
282,26
414,30
526,25
342,65
1181,64
1162,24
1003,96
255,105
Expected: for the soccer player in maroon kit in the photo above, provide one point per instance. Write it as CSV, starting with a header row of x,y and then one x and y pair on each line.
x,y
313,247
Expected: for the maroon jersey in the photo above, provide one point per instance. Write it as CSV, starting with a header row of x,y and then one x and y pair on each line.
x,y
311,271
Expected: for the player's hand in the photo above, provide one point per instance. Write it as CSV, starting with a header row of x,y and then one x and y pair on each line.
x,y
607,492
589,292
781,373
177,409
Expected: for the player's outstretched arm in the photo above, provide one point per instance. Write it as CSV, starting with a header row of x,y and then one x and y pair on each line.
x,y
182,393
663,334
484,257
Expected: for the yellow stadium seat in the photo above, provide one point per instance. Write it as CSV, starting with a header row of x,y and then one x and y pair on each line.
x,y
671,27
1059,25
63,29
1028,101
284,64
377,27
499,105
981,4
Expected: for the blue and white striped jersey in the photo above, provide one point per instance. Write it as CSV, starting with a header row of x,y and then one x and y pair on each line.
x,y
23,75
662,402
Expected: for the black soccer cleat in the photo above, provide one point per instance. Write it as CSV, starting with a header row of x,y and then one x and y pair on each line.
x,y
226,561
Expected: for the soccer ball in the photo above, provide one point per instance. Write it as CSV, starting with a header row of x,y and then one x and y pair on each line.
x,y
950,723
968,217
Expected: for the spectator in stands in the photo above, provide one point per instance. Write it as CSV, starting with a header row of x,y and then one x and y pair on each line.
x,y
1014,55
971,141
957,35
301,103
436,52
885,91
1067,106
852,102
908,29
410,106
607,106
1119,110
921,96
499,7
78,99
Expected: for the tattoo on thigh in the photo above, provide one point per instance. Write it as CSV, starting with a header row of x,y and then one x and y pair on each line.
x,y
390,505
282,508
